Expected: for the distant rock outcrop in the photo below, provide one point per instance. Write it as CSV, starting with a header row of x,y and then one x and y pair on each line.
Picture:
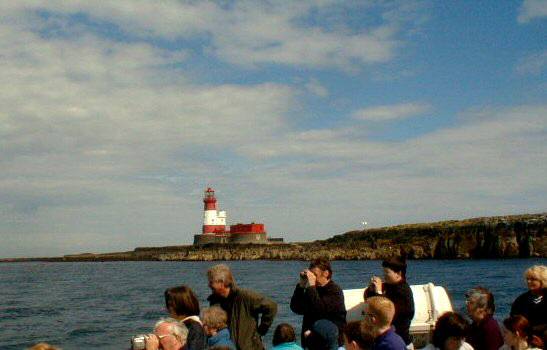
x,y
517,236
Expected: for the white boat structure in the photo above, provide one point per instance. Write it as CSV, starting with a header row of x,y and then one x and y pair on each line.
x,y
430,302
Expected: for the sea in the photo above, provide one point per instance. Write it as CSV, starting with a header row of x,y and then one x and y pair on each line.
x,y
101,305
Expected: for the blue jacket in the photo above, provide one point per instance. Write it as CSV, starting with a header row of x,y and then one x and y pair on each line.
x,y
287,346
389,341
221,338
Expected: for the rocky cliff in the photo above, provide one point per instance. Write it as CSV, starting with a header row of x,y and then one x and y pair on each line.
x,y
491,237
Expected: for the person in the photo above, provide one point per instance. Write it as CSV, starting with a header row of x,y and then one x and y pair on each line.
x,y
357,337
215,324
250,314
321,301
183,305
396,289
169,334
484,333
449,333
284,338
517,332
533,304
378,315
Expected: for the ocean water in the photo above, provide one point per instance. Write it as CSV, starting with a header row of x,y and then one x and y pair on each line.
x,y
101,305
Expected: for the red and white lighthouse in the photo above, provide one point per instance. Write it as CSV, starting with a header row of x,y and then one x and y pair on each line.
x,y
214,221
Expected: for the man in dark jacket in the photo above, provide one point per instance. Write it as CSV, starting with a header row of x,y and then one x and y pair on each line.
x,y
250,314
321,301
396,289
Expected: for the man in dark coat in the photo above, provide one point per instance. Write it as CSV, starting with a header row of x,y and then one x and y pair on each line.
x,y
250,314
321,302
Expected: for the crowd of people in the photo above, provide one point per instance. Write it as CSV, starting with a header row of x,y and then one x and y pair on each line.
x,y
238,318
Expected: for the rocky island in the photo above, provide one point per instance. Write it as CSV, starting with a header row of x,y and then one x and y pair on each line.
x,y
515,236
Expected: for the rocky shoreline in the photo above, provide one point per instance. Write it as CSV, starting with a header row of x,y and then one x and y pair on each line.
x,y
515,236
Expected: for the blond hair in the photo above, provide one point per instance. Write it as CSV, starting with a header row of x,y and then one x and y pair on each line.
x,y
214,317
221,273
382,308
539,272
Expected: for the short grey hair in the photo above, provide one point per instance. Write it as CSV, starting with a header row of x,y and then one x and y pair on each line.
x,y
176,328
221,273
481,297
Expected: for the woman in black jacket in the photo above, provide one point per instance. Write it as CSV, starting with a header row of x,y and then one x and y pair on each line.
x,y
533,303
396,289
182,304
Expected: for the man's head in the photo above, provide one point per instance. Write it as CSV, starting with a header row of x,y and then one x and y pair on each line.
x,y
221,280
357,336
322,270
214,319
171,333
284,333
480,303
378,314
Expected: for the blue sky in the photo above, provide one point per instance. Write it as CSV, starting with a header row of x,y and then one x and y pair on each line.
x,y
309,116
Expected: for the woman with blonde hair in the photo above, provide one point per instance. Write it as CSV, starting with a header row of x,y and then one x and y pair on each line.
x,y
532,304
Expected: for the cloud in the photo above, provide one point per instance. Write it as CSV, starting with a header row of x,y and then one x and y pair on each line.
x,y
105,141
392,112
532,10
253,33
533,64
315,87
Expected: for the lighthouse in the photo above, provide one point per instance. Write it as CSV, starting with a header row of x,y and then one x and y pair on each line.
x,y
214,229
214,221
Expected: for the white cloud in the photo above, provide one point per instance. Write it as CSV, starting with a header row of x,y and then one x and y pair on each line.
x,y
532,10
251,33
533,64
106,145
392,112
90,129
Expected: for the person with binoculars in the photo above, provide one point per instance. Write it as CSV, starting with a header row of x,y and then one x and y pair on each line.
x,y
321,301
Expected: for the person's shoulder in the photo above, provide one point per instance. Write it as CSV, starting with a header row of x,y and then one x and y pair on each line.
x,y
192,325
246,293
391,340
523,297
333,287
491,324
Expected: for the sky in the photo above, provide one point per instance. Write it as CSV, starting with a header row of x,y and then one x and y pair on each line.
x,y
309,116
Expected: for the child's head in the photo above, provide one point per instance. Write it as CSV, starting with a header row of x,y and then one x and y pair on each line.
x,y
357,336
284,333
214,319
